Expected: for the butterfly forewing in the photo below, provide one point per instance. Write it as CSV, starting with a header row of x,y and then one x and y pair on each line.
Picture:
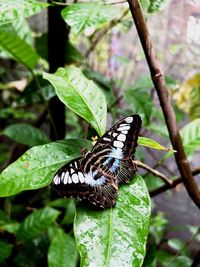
x,y
95,176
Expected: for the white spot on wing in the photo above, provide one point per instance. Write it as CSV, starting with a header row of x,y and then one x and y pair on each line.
x,y
129,119
116,153
81,177
65,180
69,180
115,134
121,137
75,178
123,128
89,179
106,139
56,179
124,132
118,144
75,164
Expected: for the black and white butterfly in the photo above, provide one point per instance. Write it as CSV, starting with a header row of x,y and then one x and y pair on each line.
x,y
95,176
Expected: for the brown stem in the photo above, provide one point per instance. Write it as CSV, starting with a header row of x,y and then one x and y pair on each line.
x,y
163,95
155,172
175,182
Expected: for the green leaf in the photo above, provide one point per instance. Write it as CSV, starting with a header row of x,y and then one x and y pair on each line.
x,y
5,250
180,261
115,236
62,251
36,223
18,48
37,166
80,95
83,16
26,134
13,10
156,5
17,114
190,135
148,142
10,227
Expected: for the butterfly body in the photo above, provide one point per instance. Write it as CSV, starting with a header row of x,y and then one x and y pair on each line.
x,y
96,175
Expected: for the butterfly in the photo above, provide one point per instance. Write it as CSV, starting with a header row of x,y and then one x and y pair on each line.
x,y
96,175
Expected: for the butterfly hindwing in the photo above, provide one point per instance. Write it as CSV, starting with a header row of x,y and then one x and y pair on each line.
x,y
95,186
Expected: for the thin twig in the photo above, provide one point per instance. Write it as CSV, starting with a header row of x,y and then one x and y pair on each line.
x,y
102,33
175,182
164,98
155,172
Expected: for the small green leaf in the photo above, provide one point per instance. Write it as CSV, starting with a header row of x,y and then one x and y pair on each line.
x,y
10,227
116,236
148,142
26,134
13,10
62,251
5,250
36,223
18,48
37,166
80,95
190,135
83,16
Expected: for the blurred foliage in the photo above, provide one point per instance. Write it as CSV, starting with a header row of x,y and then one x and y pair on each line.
x,y
37,228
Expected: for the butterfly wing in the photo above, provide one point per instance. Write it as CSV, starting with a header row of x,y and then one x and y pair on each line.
x,y
115,149
95,186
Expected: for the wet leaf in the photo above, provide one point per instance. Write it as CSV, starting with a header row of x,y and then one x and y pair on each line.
x,y
80,95
83,16
115,236
13,10
37,166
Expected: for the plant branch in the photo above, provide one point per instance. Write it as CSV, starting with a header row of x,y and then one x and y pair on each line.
x,y
175,182
155,172
164,98
102,33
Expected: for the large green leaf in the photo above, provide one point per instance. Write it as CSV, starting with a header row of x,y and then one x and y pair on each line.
x,y
62,251
36,223
83,16
18,48
37,166
116,236
26,134
12,10
81,95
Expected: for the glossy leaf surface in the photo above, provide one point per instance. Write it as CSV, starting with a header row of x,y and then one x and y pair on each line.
x,y
83,16
37,166
115,236
80,95
13,10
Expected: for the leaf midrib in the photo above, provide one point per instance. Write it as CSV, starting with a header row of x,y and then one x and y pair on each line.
x,y
110,231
